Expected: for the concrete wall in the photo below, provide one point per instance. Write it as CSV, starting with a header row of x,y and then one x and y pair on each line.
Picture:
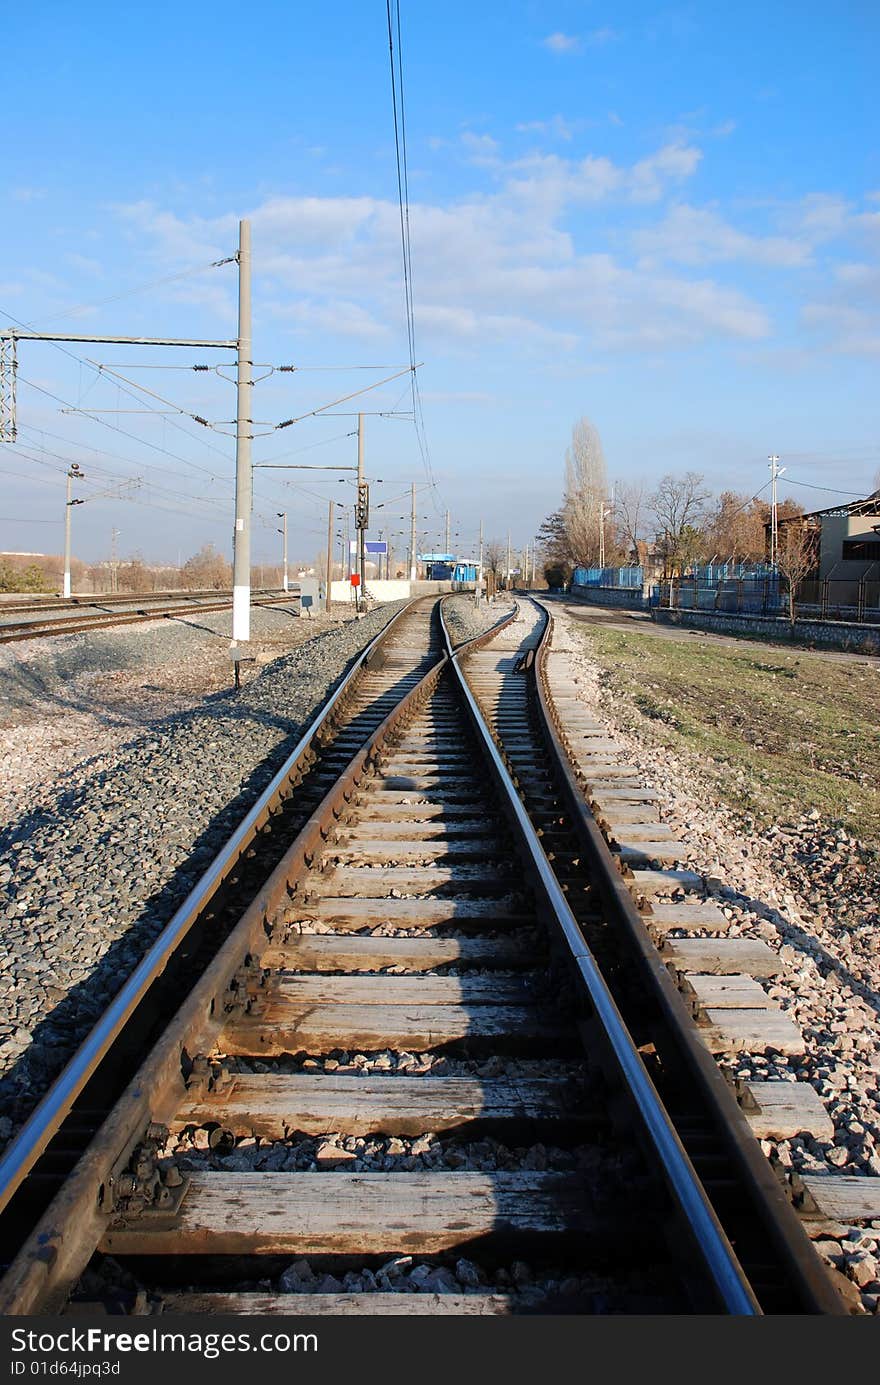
x,y
829,634
835,529
632,597
396,590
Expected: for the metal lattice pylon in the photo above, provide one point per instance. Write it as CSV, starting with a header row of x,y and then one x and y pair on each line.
x,y
8,368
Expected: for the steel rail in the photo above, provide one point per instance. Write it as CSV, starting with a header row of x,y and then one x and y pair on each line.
x,y
12,632
12,607
44,1121
796,1252
48,1254
721,1263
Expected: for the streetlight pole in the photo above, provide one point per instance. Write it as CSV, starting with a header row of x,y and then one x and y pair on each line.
x,y
282,515
775,471
329,555
241,566
74,474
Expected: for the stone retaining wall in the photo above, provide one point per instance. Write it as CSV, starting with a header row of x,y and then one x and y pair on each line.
x,y
830,634
632,597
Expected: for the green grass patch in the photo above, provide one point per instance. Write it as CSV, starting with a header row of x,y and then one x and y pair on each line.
x,y
778,735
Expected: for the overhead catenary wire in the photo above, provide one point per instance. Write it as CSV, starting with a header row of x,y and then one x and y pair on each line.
x,y
139,288
398,107
141,441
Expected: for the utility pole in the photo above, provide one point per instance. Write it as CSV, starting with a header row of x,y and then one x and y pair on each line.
x,y
241,562
74,474
508,561
282,515
775,471
446,549
602,513
114,535
413,569
329,555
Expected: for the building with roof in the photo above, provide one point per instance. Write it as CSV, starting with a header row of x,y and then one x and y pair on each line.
x,y
848,538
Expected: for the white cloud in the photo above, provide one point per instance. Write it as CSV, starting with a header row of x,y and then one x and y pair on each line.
x,y
699,236
557,182
557,127
482,149
671,164
846,329
821,217
562,43
503,266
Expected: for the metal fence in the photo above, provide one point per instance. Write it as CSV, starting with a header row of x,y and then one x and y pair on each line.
x,y
627,577
766,594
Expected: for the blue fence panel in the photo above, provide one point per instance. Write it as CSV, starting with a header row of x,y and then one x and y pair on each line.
x,y
607,577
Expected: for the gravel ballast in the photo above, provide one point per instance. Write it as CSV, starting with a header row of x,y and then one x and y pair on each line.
x,y
466,621
94,862
810,890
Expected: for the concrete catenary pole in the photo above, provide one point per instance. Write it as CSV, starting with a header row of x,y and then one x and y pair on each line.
x,y
446,549
361,532
479,582
413,569
241,565
507,584
282,515
73,474
329,555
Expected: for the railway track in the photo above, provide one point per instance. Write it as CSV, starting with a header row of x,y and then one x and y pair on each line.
x,y
131,611
402,1038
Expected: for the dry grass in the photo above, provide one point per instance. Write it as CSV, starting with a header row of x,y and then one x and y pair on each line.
x,y
778,733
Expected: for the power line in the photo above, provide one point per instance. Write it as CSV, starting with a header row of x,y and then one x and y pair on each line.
x,y
832,490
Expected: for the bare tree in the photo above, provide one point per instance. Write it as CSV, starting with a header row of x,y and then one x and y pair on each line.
x,y
586,487
206,569
495,555
796,560
679,506
630,513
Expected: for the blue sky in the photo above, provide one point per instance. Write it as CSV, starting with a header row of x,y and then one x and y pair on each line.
x,y
665,218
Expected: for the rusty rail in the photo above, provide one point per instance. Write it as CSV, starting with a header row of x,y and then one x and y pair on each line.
x,y
59,1247
23,1151
777,1214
